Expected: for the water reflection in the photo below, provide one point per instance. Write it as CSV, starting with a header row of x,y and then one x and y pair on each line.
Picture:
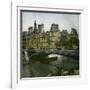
x,y
60,66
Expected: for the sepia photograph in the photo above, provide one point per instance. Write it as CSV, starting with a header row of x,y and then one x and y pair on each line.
x,y
49,44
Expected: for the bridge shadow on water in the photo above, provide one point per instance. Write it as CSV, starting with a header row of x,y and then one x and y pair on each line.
x,y
47,63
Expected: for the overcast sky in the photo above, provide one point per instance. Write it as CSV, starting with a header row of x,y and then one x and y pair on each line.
x,y
65,21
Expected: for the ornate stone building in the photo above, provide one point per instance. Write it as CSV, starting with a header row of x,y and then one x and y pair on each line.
x,y
37,38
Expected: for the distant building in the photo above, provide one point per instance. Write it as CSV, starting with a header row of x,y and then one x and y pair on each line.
x,y
24,39
30,29
37,38
54,27
54,35
35,27
41,28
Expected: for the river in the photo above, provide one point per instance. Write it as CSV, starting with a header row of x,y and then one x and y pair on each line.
x,y
61,66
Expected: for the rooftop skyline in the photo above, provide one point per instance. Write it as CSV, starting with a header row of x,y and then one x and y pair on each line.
x,y
65,21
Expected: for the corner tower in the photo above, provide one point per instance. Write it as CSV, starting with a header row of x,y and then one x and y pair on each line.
x,y
35,25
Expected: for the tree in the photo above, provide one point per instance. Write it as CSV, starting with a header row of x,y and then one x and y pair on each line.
x,y
74,40
74,32
64,39
69,41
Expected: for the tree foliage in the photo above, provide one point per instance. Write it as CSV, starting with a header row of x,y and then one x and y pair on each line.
x,y
69,40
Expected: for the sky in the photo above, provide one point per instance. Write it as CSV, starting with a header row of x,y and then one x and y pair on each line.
x,y
65,21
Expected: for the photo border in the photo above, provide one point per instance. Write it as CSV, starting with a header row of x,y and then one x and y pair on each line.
x,y
40,81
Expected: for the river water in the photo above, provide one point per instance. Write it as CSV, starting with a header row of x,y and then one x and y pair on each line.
x,y
61,66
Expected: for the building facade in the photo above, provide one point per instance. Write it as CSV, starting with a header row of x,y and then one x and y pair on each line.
x,y
37,38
